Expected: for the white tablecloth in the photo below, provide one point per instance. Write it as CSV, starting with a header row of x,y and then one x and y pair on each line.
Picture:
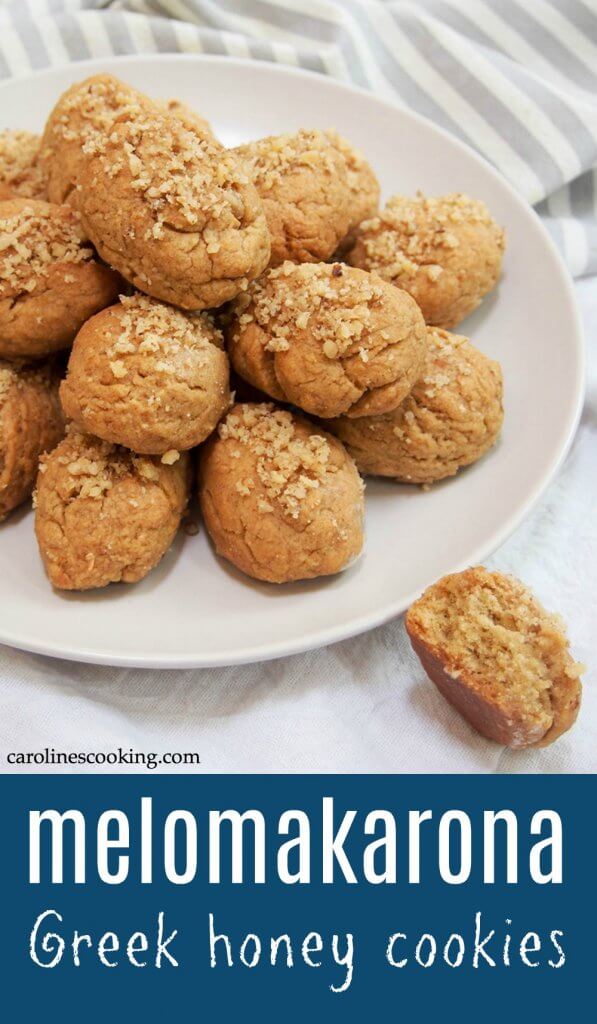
x,y
519,81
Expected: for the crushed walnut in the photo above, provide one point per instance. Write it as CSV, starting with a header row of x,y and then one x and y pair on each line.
x,y
19,165
289,467
35,239
335,307
269,160
94,466
414,232
153,329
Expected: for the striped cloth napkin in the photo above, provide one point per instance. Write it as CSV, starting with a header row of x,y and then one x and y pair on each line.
x,y
516,79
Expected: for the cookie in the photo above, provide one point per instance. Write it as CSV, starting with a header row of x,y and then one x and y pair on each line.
x,y
21,173
103,514
50,279
31,423
147,376
497,656
446,251
303,182
452,416
280,498
328,338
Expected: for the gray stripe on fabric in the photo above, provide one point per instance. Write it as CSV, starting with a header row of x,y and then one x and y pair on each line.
x,y
261,49
488,104
163,35
579,15
582,195
316,29
405,87
211,41
72,37
538,36
562,114
28,33
460,22
118,33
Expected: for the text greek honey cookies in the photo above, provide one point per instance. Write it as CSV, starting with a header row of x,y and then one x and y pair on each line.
x,y
21,173
451,418
303,181
147,376
31,423
446,251
50,281
103,514
281,499
497,656
328,338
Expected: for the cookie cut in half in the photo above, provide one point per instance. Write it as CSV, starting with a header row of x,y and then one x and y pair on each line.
x,y
497,656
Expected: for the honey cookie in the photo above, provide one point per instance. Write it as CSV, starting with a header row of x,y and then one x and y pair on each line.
x,y
281,499
497,656
103,514
303,182
147,376
451,418
31,423
328,338
446,251
50,280
21,173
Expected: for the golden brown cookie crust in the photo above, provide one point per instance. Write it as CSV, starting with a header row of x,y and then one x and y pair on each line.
x,y
160,198
497,656
147,376
50,282
173,212
303,181
105,515
21,173
363,186
328,338
446,251
280,498
451,418
92,106
31,423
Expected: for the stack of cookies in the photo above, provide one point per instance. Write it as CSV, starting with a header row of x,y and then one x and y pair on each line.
x,y
130,236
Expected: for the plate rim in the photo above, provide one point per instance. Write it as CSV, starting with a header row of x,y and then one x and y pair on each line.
x,y
317,639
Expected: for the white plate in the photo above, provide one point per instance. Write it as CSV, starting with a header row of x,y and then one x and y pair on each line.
x,y
194,610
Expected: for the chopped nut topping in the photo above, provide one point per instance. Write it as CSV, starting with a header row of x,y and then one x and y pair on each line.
x,y
269,160
170,457
412,231
151,328
94,466
19,166
288,467
336,309
35,239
